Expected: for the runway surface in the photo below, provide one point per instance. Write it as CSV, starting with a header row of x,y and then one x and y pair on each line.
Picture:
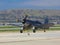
x,y
40,38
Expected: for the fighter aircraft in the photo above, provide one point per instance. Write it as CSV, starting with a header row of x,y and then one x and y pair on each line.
x,y
34,25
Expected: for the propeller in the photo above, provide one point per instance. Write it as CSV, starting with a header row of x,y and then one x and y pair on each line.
x,y
24,20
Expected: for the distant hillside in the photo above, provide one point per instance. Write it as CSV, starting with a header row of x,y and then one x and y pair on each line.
x,y
19,13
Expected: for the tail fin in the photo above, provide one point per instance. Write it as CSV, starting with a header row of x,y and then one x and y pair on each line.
x,y
46,20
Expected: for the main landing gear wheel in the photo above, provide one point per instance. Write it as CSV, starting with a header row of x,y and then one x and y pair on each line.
x,y
34,31
21,31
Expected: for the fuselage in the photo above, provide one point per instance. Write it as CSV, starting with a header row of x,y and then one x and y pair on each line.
x,y
34,23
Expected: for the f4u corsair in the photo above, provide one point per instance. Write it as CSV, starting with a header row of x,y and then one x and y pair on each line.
x,y
34,25
30,24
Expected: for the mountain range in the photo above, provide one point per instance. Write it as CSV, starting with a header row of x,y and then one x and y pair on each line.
x,y
14,14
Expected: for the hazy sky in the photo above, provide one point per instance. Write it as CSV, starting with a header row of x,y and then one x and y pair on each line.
x,y
32,4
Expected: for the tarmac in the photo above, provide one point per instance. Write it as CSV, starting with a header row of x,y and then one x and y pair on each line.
x,y
39,38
